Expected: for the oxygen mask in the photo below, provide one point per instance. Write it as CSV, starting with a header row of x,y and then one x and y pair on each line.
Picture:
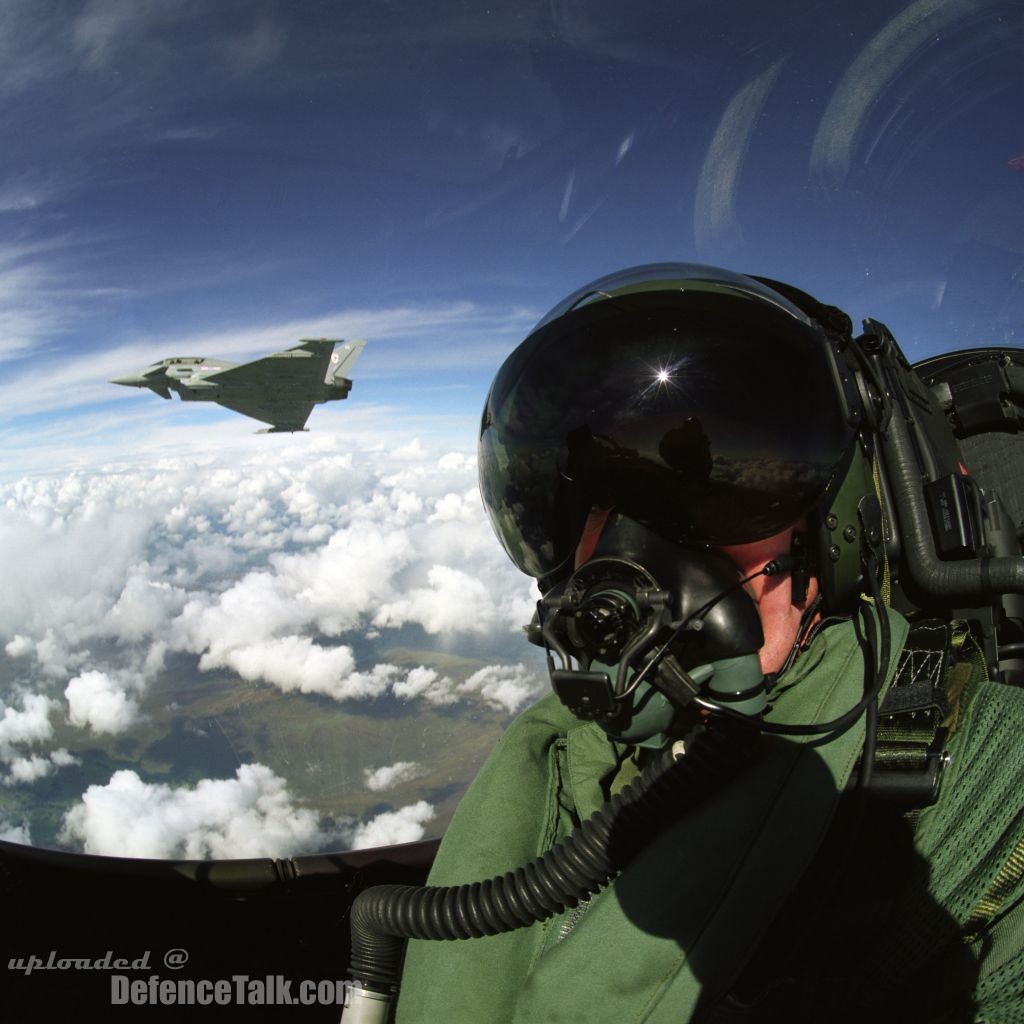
x,y
646,626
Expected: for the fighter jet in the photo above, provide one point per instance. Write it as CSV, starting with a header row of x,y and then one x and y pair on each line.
x,y
280,389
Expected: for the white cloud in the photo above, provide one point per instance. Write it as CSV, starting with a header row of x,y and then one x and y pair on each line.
x,y
25,728
405,825
29,725
413,450
458,462
390,775
506,687
143,607
27,769
339,583
264,626
296,663
426,683
251,815
30,768
247,567
461,507
19,646
454,602
67,547
96,701
54,654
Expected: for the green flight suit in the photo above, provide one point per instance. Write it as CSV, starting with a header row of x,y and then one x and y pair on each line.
x,y
671,937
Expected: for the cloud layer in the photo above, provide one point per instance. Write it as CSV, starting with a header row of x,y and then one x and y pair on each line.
x,y
260,571
251,815
292,576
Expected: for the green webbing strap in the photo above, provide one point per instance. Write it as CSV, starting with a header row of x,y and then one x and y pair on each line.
x,y
911,715
968,670
902,729
908,757
991,903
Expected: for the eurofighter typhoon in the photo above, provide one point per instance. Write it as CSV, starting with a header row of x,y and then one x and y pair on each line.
x,y
280,389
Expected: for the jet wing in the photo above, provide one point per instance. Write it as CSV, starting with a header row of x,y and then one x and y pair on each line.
x,y
281,412
305,364
280,389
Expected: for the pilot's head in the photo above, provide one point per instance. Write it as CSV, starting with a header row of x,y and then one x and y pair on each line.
x,y
705,405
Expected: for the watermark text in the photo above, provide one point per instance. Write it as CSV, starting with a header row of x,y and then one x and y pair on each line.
x,y
239,989
56,962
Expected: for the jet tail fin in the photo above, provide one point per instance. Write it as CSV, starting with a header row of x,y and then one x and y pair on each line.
x,y
347,353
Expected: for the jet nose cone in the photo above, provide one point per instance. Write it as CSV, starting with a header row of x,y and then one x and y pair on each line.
x,y
131,380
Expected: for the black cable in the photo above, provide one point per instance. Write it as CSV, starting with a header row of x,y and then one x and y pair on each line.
x,y
837,725
879,667
845,721
867,759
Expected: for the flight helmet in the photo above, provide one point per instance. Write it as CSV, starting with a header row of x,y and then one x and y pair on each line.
x,y
711,407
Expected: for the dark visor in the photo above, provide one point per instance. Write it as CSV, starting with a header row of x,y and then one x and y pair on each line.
x,y
709,417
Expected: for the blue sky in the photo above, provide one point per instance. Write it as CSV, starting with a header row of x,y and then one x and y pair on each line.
x,y
234,175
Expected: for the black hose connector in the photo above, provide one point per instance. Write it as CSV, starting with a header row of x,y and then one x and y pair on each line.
x,y
384,916
970,578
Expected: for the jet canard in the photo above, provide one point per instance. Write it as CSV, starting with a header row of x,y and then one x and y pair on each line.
x,y
279,389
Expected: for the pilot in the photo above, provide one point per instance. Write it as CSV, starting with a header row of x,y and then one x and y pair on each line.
x,y
691,463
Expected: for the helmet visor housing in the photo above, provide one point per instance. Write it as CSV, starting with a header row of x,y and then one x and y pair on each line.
x,y
696,401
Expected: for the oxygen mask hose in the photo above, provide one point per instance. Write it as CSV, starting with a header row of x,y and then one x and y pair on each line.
x,y
579,865
629,613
